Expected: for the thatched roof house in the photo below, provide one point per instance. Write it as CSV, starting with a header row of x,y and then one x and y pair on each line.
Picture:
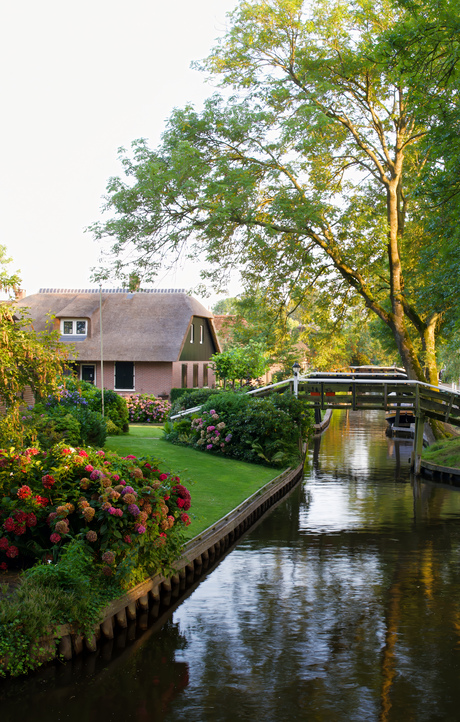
x,y
151,340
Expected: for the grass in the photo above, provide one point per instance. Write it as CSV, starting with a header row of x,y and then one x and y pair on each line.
x,y
444,453
217,484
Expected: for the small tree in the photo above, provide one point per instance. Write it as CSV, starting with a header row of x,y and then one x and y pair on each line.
x,y
27,359
240,362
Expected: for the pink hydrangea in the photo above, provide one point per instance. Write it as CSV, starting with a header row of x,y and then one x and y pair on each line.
x,y
55,538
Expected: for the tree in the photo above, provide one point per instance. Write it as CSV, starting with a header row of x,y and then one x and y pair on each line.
x,y
306,177
26,358
238,362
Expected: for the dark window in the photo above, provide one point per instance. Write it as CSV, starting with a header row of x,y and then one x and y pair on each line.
x,y
195,375
184,376
88,373
124,375
205,374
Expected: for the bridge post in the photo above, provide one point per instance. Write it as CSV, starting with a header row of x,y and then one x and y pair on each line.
x,y
418,443
296,369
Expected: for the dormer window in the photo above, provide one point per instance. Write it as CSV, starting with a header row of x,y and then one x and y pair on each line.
x,y
74,327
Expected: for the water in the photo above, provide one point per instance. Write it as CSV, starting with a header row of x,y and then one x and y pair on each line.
x,y
342,604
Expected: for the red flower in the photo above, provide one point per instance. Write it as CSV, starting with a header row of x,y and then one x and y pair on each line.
x,y
82,453
31,452
31,519
12,552
25,492
20,516
163,477
41,500
89,468
4,543
55,538
185,519
66,451
3,566
9,524
19,529
48,481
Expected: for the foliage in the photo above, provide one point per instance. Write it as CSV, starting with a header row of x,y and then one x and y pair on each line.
x,y
71,421
257,430
93,535
306,177
27,359
239,362
115,406
189,398
124,506
146,408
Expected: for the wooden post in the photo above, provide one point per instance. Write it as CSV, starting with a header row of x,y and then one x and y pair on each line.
x,y
418,443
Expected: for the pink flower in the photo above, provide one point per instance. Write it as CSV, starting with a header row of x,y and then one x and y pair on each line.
x,y
89,468
55,538
141,529
127,539
12,552
66,451
163,477
83,453
100,453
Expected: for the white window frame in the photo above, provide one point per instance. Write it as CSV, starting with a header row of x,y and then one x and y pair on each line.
x,y
74,322
201,333
192,333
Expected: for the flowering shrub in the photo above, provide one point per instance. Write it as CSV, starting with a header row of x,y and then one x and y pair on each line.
x,y
212,435
258,430
127,513
145,408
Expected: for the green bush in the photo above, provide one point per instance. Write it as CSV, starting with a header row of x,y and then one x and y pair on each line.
x,y
189,398
258,430
105,522
76,424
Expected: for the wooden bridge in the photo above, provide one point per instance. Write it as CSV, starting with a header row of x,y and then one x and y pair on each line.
x,y
380,389
371,387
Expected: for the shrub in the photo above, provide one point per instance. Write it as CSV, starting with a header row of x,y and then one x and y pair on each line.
x,y
75,424
123,505
146,408
190,398
258,430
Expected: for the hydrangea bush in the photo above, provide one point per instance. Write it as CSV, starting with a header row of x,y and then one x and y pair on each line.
x,y
258,430
146,408
129,514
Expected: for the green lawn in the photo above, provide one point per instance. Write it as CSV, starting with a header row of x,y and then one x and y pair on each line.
x,y
217,484
444,453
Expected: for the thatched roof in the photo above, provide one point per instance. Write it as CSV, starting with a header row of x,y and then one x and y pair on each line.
x,y
141,326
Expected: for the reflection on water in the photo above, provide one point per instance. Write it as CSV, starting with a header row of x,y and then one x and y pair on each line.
x,y
343,604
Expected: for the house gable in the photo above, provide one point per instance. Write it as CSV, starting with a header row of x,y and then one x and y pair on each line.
x,y
199,343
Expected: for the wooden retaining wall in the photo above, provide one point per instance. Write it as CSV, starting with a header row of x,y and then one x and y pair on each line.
x,y
445,474
198,554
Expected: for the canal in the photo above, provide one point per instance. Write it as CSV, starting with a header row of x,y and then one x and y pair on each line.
x,y
343,603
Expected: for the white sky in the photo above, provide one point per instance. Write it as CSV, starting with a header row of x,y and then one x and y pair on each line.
x,y
79,80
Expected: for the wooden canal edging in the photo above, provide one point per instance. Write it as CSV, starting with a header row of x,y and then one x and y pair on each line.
x,y
444,474
197,554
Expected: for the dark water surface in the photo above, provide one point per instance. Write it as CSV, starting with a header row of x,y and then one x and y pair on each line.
x,y
342,604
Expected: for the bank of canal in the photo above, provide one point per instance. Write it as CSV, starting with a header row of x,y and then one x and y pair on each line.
x,y
341,604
